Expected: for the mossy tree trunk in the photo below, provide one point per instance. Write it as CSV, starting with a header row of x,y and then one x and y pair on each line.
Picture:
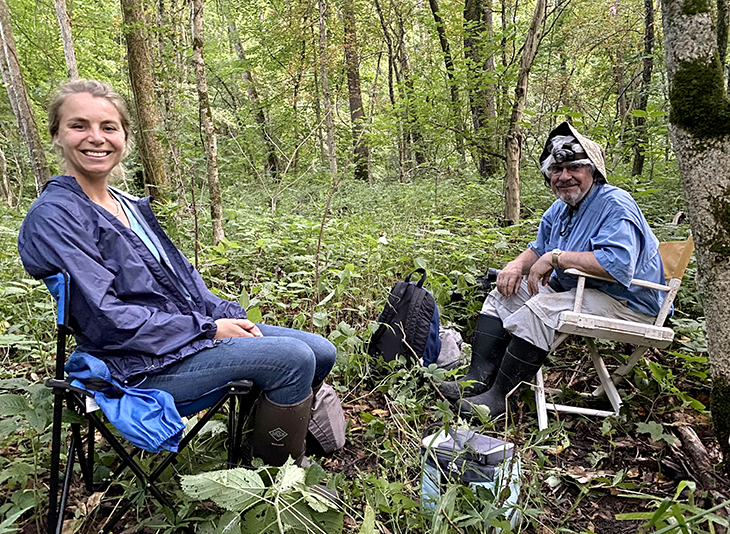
x,y
361,148
139,55
479,56
700,132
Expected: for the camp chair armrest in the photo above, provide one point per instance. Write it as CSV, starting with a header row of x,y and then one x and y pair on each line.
x,y
54,383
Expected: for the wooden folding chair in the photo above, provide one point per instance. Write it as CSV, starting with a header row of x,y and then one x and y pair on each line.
x,y
81,443
675,257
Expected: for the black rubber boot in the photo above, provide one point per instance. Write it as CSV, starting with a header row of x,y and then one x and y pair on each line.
x,y
490,342
522,360
279,430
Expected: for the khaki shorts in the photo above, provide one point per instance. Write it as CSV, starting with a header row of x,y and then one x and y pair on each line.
x,y
535,319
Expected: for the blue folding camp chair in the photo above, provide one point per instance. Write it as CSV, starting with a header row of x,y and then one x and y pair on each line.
x,y
241,395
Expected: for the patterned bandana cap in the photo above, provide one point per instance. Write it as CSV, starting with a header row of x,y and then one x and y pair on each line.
x,y
593,150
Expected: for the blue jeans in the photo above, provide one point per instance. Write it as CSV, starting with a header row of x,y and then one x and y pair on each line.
x,y
284,363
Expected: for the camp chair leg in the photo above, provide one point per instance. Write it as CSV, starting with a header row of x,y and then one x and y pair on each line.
x,y
600,367
542,420
232,427
86,473
624,369
56,526
55,462
578,410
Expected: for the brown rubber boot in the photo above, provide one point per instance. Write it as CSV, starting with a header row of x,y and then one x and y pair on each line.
x,y
279,430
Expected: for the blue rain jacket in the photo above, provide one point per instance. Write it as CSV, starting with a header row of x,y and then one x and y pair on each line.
x,y
147,418
126,308
610,224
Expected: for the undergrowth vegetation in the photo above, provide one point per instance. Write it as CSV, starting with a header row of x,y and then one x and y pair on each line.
x,y
274,262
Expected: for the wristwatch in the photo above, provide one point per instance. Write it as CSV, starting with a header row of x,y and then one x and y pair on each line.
x,y
556,254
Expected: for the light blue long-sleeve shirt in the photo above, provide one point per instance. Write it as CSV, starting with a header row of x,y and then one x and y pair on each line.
x,y
609,223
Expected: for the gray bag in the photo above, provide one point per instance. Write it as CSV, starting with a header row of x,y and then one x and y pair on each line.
x,y
327,425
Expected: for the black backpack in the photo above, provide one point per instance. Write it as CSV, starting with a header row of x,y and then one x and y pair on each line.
x,y
409,324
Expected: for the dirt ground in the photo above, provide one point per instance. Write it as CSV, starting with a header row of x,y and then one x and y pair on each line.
x,y
593,475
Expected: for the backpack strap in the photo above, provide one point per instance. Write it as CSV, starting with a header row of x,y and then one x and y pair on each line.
x,y
423,277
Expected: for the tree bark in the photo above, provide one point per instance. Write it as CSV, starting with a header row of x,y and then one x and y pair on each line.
x,y
19,101
167,16
478,25
357,113
5,190
64,22
700,132
722,31
640,137
143,87
407,94
450,75
206,121
324,80
513,142
393,72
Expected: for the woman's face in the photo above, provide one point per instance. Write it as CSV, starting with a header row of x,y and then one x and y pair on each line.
x,y
91,137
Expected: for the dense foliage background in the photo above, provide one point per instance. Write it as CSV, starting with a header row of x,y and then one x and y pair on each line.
x,y
313,250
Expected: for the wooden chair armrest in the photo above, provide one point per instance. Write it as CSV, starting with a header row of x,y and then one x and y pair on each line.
x,y
578,272
650,285
634,282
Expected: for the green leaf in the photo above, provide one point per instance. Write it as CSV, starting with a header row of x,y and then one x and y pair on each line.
x,y
261,519
320,319
656,431
289,477
420,263
254,315
11,404
230,523
368,522
233,489
244,298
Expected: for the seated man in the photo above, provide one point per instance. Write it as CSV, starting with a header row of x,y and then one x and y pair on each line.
x,y
594,227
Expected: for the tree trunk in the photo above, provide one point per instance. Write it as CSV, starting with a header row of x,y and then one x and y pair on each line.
x,y
393,72
513,142
477,26
5,190
357,114
143,87
206,121
323,60
19,101
64,22
407,94
700,132
318,107
722,32
271,165
453,86
640,137
167,16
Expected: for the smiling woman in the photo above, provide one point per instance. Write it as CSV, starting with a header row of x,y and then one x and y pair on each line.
x,y
138,304
90,125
